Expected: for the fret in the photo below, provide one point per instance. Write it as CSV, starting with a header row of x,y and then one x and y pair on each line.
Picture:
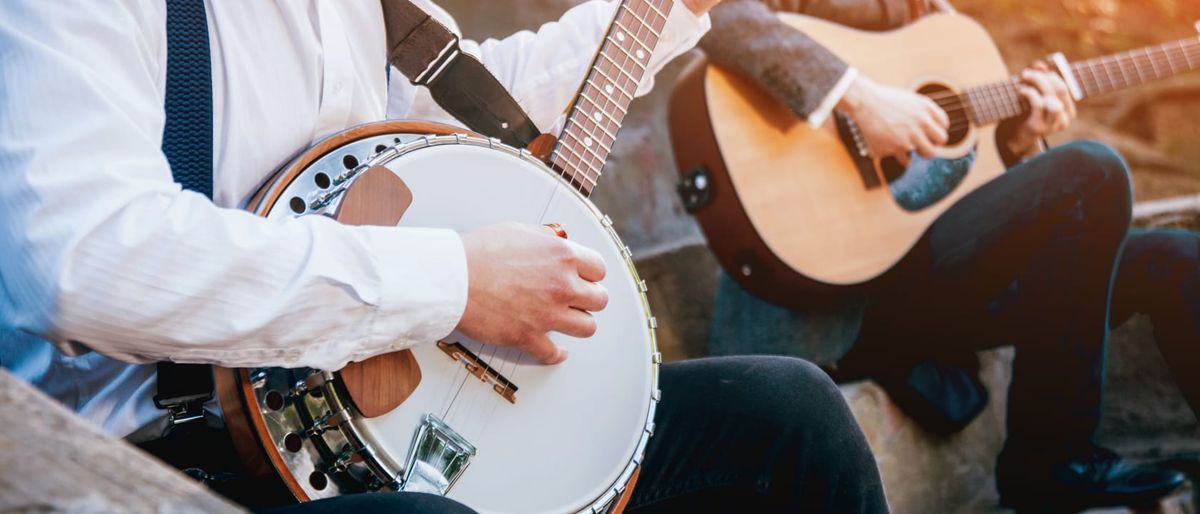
x,y
1141,77
584,168
614,81
619,68
656,11
609,89
630,56
588,142
594,121
1186,56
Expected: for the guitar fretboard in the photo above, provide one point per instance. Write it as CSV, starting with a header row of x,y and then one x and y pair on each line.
x,y
596,116
999,101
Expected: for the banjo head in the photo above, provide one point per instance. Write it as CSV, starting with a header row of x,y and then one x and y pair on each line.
x,y
487,426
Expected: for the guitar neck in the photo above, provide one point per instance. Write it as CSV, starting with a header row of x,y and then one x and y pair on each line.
x,y
999,101
596,115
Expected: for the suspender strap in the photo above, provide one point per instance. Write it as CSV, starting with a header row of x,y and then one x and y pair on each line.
x,y
188,144
427,53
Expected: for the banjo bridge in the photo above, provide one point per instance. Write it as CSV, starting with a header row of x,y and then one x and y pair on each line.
x,y
485,373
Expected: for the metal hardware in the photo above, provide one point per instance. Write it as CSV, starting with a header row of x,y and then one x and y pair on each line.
x,y
475,366
447,55
324,423
437,457
695,189
183,413
1064,71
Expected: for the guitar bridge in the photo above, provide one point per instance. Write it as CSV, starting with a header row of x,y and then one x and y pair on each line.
x,y
475,366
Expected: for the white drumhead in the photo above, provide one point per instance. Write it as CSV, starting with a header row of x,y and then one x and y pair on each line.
x,y
576,426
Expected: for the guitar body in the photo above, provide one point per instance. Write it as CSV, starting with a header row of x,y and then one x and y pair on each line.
x,y
791,213
487,426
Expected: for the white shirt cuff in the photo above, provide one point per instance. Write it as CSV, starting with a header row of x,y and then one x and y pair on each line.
x,y
423,287
817,118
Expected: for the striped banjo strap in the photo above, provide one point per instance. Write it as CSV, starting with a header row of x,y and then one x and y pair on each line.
x,y
428,54
188,145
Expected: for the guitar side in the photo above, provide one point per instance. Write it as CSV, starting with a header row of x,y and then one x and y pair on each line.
x,y
797,189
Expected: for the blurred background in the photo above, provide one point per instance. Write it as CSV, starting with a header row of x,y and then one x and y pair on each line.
x,y
1156,127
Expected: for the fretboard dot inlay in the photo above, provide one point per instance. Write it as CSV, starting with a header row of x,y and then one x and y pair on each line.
x,y
620,36
608,89
598,116
587,141
640,54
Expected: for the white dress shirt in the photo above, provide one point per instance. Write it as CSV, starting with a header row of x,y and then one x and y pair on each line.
x,y
98,245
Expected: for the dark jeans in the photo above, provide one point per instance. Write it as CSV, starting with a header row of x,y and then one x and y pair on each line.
x,y
1027,259
1159,276
734,434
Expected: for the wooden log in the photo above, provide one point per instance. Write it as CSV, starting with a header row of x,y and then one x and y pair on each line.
x,y
53,461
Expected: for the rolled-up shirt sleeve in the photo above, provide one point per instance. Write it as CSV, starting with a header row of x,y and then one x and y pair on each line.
x,y
543,69
100,247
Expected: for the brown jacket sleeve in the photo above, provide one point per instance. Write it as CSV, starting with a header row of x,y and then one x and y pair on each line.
x,y
748,37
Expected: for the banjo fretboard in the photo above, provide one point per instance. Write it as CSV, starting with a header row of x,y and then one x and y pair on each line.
x,y
595,117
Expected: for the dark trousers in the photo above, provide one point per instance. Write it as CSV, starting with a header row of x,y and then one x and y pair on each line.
x,y
734,434
1159,276
1027,259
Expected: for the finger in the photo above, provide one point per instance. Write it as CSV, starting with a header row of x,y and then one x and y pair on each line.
x,y
576,323
924,146
939,114
1040,65
557,229
589,263
935,132
590,296
544,350
1033,99
1038,80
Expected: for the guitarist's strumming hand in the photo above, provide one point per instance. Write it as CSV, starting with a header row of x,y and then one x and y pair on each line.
x,y
895,121
525,281
1051,109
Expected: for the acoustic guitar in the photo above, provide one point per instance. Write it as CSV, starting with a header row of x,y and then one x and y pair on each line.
x,y
485,425
798,215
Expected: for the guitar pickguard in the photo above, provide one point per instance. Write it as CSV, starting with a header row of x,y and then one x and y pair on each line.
x,y
927,181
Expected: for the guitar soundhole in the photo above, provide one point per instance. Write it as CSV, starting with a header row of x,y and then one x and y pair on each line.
x,y
956,110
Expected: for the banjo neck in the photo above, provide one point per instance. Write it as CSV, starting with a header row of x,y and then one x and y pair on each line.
x,y
595,116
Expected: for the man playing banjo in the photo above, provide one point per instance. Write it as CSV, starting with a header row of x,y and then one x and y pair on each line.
x,y
106,266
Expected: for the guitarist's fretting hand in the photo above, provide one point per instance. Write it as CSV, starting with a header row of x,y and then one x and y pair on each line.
x,y
1051,109
895,121
525,281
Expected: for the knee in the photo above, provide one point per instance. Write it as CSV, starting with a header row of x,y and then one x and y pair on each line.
x,y
1166,257
802,396
1099,166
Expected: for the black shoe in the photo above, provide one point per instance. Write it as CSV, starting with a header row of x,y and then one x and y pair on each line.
x,y
1102,479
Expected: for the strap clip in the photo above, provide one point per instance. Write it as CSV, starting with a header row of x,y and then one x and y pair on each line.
x,y
184,409
445,57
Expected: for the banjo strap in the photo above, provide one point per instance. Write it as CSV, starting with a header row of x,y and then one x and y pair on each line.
x,y
428,54
188,145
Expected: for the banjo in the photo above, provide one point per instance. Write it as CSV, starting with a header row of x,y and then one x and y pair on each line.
x,y
482,424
